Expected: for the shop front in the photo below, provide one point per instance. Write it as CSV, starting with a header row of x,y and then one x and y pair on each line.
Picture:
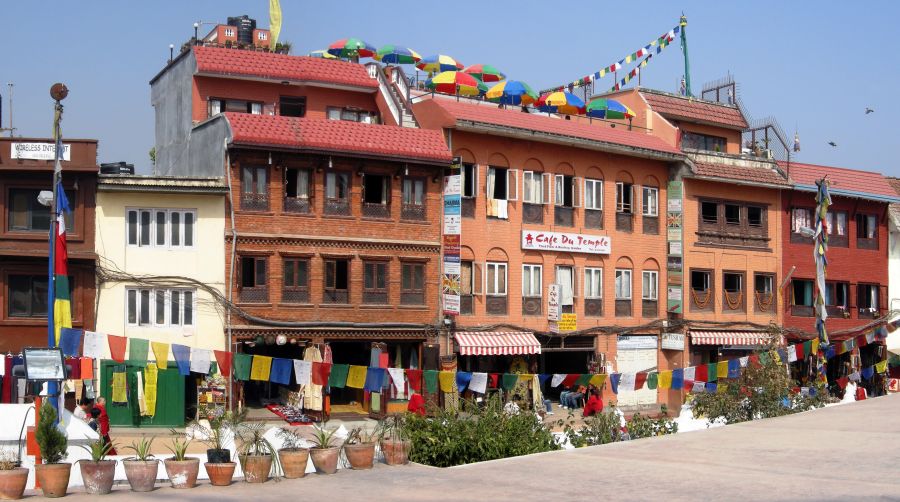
x,y
709,346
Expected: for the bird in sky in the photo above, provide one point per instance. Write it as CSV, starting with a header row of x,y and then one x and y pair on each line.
x,y
869,110
832,143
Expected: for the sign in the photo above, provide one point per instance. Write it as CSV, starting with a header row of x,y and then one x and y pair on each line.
x,y
675,241
452,268
453,185
452,224
672,341
636,342
38,151
568,322
451,304
573,243
553,294
451,245
894,384
452,205
452,228
675,248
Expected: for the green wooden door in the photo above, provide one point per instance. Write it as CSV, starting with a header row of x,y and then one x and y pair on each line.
x,y
169,397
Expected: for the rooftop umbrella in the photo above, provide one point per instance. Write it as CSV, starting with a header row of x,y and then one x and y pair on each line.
x,y
438,63
455,82
560,102
604,108
346,48
485,72
321,54
394,54
512,92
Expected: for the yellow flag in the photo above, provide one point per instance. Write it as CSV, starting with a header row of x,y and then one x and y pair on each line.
x,y
722,369
447,380
260,368
665,380
150,378
274,22
815,346
525,377
161,352
356,377
881,366
598,380
119,394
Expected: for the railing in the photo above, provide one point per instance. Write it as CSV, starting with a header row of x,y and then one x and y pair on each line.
x,y
295,295
332,296
254,202
376,210
259,294
296,205
337,207
391,100
414,212
400,81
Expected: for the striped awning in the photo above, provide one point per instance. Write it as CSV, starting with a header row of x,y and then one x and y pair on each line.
x,y
729,337
496,343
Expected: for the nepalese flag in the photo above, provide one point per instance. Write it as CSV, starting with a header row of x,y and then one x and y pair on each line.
x,y
62,303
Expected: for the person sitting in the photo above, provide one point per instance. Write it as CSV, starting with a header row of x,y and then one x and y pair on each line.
x,y
570,398
594,404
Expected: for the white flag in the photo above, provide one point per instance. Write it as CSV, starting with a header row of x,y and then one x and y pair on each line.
x,y
478,383
626,382
93,344
744,360
199,360
302,371
557,379
690,374
792,353
699,388
398,378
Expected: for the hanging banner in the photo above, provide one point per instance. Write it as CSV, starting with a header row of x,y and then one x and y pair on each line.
x,y
568,322
451,241
674,259
672,341
38,151
553,294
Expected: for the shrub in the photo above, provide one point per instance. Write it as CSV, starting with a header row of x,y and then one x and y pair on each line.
x,y
641,426
601,428
52,442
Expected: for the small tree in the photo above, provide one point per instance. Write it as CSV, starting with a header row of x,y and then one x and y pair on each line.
x,y
52,442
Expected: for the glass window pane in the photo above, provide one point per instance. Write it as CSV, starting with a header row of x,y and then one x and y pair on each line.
x,y
160,228
301,273
501,280
491,279
368,276
175,319
145,228
289,273
260,180
381,275
188,308
132,228
419,277
175,228
19,295
132,306
145,306
188,229
247,180
160,306
260,271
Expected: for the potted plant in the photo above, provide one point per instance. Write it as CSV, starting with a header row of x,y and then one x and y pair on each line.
x,y
360,448
394,442
98,473
53,474
293,455
221,424
324,453
181,469
256,453
141,469
13,476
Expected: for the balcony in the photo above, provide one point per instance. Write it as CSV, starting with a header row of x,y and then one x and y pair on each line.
x,y
412,212
254,202
593,218
335,296
295,295
868,313
296,205
337,207
625,222
533,214
376,210
258,294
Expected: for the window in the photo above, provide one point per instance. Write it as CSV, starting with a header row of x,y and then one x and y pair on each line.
x,y
497,183
469,180
262,35
229,32
26,214
701,290
533,187
337,186
836,223
593,283
413,192
292,106
802,293
295,286
764,288
650,281
709,212
837,294
337,281
466,278
412,284
866,226
565,277
593,194
531,281
160,307
297,190
733,285
28,295
253,271
376,196
694,141
218,105
254,188
732,214
164,228
801,217
564,193
754,216
496,279
375,290
623,284
624,197
867,300
651,201
351,115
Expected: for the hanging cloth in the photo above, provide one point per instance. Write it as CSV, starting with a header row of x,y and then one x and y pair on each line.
x,y
151,375
462,380
557,379
414,377
431,381
321,373
537,397
223,358
397,378
119,393
242,364
570,380
260,369
721,370
182,354
478,383
142,406
69,341
653,380
87,368
734,368
356,377
312,393
509,381
161,353
117,346
583,380
447,380
137,350
200,360
414,359
677,379
639,380
338,377
281,371
303,372
614,382
598,380
75,365
93,345
374,379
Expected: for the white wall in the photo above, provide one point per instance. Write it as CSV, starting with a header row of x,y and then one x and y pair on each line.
x,y
893,265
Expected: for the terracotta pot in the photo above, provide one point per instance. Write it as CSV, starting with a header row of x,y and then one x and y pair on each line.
x,y
220,474
12,483
325,459
256,468
360,456
293,462
183,473
395,452
53,478
98,477
218,456
141,474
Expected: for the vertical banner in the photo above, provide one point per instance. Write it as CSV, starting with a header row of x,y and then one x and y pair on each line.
x,y
675,248
451,232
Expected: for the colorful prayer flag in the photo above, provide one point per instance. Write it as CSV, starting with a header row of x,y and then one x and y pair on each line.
x,y
117,346
431,381
182,354
356,378
223,358
374,379
161,353
338,377
242,365
69,341
151,377
447,380
62,304
321,373
281,371
259,370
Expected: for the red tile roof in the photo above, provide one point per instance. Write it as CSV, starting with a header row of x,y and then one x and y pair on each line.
x,y
268,65
670,105
338,136
490,114
746,173
861,184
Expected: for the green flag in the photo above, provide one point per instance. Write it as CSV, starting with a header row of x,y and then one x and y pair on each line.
x,y
712,372
431,381
242,363
137,350
338,377
652,380
509,381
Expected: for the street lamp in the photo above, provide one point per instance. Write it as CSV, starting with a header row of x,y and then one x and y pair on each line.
x,y
196,27
171,52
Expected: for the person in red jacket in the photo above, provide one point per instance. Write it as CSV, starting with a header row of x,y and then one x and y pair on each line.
x,y
103,423
416,404
594,404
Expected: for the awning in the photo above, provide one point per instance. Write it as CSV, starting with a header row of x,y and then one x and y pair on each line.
x,y
729,337
497,343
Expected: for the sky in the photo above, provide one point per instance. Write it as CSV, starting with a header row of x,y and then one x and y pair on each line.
x,y
814,66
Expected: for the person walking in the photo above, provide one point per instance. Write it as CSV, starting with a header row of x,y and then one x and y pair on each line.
x,y
103,422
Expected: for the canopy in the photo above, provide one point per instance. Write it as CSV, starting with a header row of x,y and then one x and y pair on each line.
x,y
729,337
497,343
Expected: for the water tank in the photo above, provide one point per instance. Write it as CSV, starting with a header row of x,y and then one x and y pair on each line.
x,y
116,168
245,26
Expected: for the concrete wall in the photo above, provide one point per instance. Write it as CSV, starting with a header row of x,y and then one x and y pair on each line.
x,y
893,265
170,95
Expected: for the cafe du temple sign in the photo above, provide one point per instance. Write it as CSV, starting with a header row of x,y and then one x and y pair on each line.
x,y
572,243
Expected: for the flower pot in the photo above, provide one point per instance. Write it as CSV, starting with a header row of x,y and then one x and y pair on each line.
x,y
12,483
293,462
360,456
220,474
183,473
256,468
141,474
53,478
395,452
218,456
98,477
325,459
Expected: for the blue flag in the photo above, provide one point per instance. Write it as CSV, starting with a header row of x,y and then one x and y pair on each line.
x,y
734,368
614,382
374,379
462,380
711,387
182,355
69,341
281,371
868,373
677,379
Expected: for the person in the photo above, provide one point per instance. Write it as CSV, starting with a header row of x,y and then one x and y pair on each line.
x,y
416,404
569,399
548,406
83,410
92,422
103,422
594,404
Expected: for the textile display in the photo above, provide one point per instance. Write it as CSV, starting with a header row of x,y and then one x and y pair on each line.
x,y
653,380
665,380
356,377
242,363
509,381
69,341
119,392
200,361
182,354
397,379
677,379
312,393
60,292
137,350
431,381
614,382
161,353
223,359
151,375
303,372
598,380
374,379
557,379
117,345
281,370
447,380
87,368
260,369
478,383
338,377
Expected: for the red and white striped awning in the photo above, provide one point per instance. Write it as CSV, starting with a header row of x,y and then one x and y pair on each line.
x,y
497,343
729,337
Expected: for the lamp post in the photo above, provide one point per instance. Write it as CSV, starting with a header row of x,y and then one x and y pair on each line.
x,y
171,52
196,27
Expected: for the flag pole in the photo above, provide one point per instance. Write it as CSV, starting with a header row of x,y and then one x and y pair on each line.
x,y
58,92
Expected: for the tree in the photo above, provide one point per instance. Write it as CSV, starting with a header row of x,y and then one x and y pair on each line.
x,y
52,442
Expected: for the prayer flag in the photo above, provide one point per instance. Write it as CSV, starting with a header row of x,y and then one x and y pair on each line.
x,y
414,377
274,22
653,380
478,383
807,348
754,360
721,370
322,371
161,353
598,380
711,387
447,380
259,370
665,380
200,360
842,382
93,345
69,340
117,346
734,368
281,371
689,374
137,350
509,381
881,366
614,382
583,379
702,374
744,361
677,379
303,371
182,354
397,378
374,379
242,364
431,381
626,382
524,377
87,368
862,340
570,380
557,379
223,358
61,293
119,392
698,387
462,380
356,378
792,352
543,377
151,377
639,380
338,377
868,373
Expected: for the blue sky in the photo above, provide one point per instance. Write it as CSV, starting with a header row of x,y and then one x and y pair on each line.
x,y
815,66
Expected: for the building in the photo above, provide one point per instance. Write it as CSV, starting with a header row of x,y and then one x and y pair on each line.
x,y
894,249
332,237
238,32
161,277
26,169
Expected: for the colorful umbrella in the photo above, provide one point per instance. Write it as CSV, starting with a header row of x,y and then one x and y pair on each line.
x,y
321,54
346,48
604,108
455,82
485,72
512,92
394,54
560,102
438,63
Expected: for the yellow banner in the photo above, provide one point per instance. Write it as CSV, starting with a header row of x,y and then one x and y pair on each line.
x,y
274,22
151,374
356,377
161,352
447,380
722,370
62,316
119,394
665,380
598,380
260,368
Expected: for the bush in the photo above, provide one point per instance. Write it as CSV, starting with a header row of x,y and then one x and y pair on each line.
x,y
51,441
641,426
601,428
477,434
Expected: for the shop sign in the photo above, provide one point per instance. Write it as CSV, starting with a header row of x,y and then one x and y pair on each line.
x,y
453,185
38,151
452,224
568,322
636,342
894,384
573,243
451,304
452,267
672,341
553,293
451,245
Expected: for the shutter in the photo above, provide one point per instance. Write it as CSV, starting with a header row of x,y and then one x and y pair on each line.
x,y
575,281
475,179
512,184
577,184
546,186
